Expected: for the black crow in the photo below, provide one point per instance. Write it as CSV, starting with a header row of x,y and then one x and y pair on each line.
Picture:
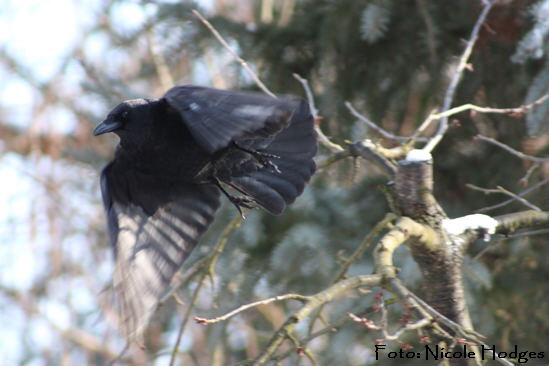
x,y
175,155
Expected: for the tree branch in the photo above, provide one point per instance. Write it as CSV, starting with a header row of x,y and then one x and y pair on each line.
x,y
245,307
523,193
428,311
242,62
404,229
511,150
366,242
324,140
207,271
315,301
500,189
374,126
462,64
510,223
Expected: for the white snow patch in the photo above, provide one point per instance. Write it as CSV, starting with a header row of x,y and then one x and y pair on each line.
x,y
418,155
460,225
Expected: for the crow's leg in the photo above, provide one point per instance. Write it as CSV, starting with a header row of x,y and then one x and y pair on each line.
x,y
238,202
261,157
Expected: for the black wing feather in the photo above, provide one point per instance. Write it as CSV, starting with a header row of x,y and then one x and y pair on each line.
x,y
151,247
217,117
295,147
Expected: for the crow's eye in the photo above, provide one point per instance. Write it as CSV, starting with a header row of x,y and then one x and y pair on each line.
x,y
124,115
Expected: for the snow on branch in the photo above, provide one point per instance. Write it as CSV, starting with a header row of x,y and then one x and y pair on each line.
x,y
460,225
418,156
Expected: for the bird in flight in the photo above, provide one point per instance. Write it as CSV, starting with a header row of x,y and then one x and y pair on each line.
x,y
176,155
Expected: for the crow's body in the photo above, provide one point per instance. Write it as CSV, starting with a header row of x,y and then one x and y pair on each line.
x,y
162,189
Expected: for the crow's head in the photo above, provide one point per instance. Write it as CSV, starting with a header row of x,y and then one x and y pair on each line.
x,y
129,118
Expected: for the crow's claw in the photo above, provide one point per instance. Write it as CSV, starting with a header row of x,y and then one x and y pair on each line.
x,y
261,157
238,202
241,201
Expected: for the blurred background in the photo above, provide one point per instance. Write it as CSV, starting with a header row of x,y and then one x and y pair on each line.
x,y
65,63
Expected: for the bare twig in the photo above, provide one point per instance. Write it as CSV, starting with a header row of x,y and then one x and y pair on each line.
x,y
524,180
466,334
192,302
518,198
162,69
500,189
430,31
529,233
462,65
511,150
308,93
220,245
381,156
364,245
87,341
410,326
333,158
371,151
121,354
471,107
330,328
315,301
183,278
242,62
513,111
523,193
321,136
384,327
302,349
242,308
434,116
374,126
405,295
324,140
359,251
426,123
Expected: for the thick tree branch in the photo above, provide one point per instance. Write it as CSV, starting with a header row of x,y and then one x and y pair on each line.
x,y
405,229
510,223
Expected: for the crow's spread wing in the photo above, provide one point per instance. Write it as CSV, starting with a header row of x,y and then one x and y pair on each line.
x,y
150,241
217,117
294,149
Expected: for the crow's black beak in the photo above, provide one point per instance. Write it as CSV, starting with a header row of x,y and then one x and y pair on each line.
x,y
106,126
